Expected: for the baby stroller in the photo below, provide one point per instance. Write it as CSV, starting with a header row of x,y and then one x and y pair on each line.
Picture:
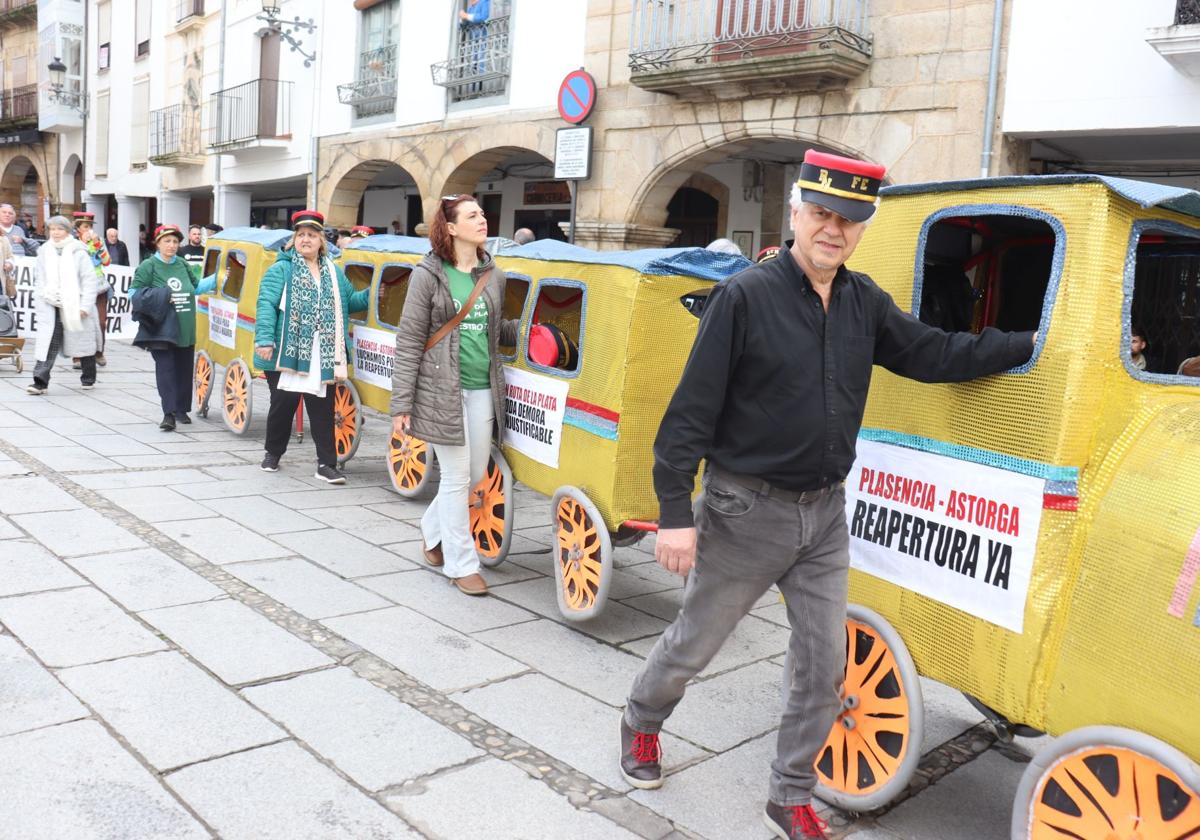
x,y
10,343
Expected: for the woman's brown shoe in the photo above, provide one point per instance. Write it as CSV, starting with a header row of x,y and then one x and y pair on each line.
x,y
433,556
472,584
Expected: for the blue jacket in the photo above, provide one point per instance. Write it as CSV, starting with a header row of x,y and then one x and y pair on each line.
x,y
154,311
268,326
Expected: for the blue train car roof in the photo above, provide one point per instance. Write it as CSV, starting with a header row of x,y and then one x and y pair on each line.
x,y
389,243
271,240
1141,193
665,262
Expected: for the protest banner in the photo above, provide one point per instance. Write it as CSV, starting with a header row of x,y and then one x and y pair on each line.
x,y
958,532
533,414
120,277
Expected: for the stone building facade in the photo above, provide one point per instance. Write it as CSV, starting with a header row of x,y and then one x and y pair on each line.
x,y
731,125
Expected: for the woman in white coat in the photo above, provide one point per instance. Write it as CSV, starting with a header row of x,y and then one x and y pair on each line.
x,y
65,304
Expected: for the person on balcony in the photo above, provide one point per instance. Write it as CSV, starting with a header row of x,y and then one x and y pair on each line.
x,y
473,43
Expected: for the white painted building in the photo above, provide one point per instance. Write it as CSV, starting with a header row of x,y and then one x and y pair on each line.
x,y
201,112
1107,86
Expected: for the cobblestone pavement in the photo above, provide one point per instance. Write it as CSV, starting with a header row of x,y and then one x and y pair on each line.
x,y
190,647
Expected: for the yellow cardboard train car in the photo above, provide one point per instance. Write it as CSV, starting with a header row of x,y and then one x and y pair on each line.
x,y
1033,538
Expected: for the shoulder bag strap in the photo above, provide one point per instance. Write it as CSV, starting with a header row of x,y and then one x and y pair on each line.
x,y
461,313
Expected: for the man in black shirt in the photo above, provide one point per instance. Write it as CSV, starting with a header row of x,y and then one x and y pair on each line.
x,y
193,251
773,396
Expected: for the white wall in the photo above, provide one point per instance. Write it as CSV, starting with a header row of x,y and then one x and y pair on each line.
x,y
1075,66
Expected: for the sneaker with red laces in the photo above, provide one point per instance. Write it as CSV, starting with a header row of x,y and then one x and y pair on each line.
x,y
641,758
794,822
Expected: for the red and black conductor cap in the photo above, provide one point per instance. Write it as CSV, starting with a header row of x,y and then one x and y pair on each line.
x,y
167,230
844,185
361,231
84,216
310,218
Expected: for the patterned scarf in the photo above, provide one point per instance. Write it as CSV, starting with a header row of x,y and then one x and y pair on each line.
x,y
313,304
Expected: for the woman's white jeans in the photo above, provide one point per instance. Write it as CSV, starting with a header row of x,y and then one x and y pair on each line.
x,y
447,521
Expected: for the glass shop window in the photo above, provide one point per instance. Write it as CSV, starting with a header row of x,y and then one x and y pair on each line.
x,y
516,292
556,328
393,286
235,275
985,271
359,275
1165,309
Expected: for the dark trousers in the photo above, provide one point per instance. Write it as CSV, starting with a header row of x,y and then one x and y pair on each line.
x,y
283,413
173,373
41,370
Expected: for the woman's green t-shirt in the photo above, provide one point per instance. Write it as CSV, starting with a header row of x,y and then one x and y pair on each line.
x,y
474,364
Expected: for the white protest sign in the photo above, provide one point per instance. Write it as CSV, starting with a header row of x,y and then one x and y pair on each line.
x,y
374,355
960,533
120,277
222,322
533,414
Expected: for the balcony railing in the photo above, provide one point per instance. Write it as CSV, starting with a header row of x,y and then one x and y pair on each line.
x,y
17,12
243,115
375,91
175,136
1187,12
680,43
19,107
480,63
185,9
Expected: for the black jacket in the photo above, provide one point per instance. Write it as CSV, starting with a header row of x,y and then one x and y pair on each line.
x,y
158,328
775,387
117,252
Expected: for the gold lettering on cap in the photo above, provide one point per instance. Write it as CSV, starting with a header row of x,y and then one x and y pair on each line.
x,y
824,178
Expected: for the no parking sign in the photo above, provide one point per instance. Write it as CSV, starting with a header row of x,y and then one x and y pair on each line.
x,y
576,96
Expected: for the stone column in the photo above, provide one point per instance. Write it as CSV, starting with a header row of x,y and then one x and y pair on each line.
x,y
131,212
775,193
619,236
175,208
231,206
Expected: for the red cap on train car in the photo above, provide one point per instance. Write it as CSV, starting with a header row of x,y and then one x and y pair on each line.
x,y
167,230
551,347
361,231
308,217
844,185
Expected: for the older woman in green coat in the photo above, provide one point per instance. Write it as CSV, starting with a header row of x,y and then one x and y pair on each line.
x,y
302,340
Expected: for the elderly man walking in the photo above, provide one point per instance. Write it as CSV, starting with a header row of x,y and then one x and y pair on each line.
x,y
773,396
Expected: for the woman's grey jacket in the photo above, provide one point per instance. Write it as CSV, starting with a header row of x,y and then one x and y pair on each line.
x,y
426,385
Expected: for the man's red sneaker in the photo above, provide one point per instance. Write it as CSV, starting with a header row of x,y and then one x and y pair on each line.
x,y
795,822
641,757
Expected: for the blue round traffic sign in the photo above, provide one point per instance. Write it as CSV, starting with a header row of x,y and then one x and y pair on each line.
x,y
576,96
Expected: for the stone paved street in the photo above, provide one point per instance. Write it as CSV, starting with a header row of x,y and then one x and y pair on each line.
x,y
190,647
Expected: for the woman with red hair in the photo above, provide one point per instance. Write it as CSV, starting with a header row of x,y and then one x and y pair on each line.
x,y
448,384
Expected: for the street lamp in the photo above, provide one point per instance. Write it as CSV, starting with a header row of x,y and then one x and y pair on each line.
x,y
58,89
270,16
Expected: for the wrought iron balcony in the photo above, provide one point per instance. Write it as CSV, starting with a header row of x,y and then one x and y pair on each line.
x,y
188,13
752,46
175,138
15,13
250,115
374,92
480,63
19,107
1187,12
1179,43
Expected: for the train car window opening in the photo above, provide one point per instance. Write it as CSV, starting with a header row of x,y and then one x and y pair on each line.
x,y
212,259
393,287
988,270
516,294
561,307
359,275
694,302
1164,304
235,274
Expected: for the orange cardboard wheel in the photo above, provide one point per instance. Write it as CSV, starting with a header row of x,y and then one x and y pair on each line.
x,y
347,420
583,555
203,381
492,511
237,400
410,462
